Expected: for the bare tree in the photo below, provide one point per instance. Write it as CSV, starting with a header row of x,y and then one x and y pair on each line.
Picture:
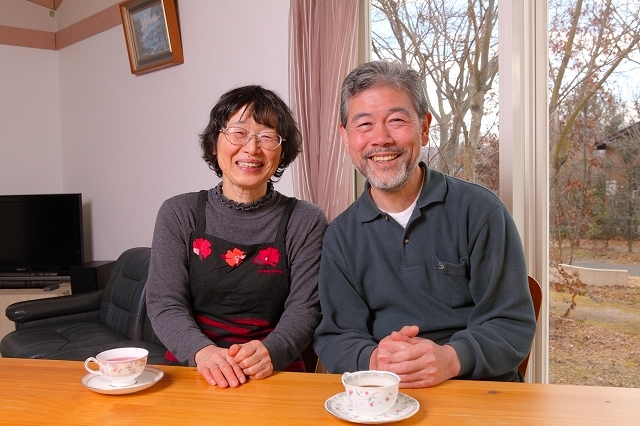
x,y
589,40
624,169
453,45
579,204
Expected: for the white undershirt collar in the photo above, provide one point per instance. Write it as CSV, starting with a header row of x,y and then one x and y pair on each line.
x,y
403,217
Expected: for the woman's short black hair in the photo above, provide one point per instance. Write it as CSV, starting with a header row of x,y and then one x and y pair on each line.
x,y
266,108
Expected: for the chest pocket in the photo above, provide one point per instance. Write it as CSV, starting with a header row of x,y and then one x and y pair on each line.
x,y
450,281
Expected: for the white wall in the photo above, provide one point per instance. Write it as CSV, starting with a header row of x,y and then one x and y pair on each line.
x,y
129,142
30,156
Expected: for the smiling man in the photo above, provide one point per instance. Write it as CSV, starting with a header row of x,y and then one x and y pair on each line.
x,y
424,275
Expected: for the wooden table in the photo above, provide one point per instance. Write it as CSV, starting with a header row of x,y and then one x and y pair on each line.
x,y
49,392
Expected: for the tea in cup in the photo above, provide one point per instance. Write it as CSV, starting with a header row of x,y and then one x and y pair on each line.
x,y
121,366
371,392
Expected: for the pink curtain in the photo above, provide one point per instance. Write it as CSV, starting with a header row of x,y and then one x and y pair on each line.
x,y
323,49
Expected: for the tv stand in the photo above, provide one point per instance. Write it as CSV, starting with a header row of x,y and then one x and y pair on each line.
x,y
14,284
23,284
30,280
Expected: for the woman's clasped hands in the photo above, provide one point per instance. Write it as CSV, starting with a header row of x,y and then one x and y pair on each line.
x,y
231,367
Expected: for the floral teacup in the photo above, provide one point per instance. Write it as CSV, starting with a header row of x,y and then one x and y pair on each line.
x,y
371,392
121,366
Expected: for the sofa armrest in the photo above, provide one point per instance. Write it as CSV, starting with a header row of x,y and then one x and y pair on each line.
x,y
49,308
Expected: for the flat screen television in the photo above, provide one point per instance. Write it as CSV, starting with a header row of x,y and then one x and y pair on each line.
x,y
41,238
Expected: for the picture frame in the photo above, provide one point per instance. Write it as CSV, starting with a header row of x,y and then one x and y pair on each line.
x,y
152,33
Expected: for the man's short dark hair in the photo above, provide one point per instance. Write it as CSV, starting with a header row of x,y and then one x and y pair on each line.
x,y
383,74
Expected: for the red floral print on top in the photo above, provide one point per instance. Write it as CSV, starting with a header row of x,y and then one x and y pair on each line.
x,y
269,256
202,247
233,257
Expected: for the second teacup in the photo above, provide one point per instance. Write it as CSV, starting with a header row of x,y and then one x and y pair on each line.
x,y
121,366
371,392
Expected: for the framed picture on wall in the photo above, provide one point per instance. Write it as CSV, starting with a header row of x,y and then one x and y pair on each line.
x,y
152,34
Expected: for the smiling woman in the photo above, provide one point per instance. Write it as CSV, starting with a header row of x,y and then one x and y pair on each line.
x,y
233,279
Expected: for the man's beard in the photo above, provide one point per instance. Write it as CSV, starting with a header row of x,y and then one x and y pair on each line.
x,y
393,183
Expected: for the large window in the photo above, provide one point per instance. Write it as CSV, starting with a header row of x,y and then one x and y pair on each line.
x,y
594,164
568,146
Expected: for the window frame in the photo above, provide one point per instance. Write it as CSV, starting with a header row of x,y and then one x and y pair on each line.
x,y
524,142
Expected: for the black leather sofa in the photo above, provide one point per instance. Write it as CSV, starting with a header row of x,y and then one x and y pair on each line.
x,y
78,326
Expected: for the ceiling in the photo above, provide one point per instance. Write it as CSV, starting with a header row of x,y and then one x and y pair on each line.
x,y
49,4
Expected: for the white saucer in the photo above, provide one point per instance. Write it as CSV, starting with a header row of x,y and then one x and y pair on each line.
x,y
101,384
340,406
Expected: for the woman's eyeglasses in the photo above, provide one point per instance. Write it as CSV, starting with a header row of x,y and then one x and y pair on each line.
x,y
239,136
